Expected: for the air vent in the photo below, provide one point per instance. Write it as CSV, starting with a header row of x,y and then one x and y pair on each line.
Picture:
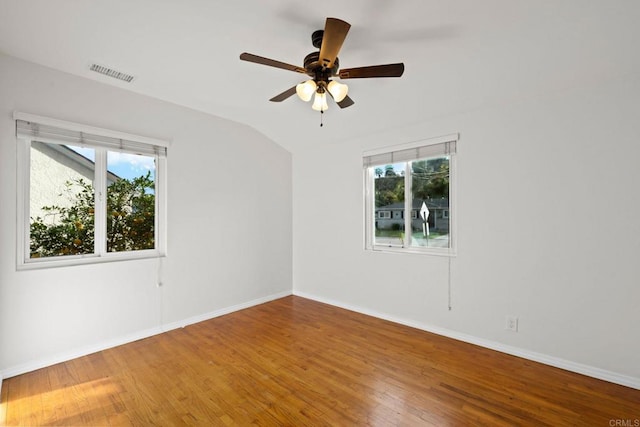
x,y
111,73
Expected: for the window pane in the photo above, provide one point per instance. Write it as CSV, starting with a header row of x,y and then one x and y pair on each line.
x,y
61,200
430,192
130,202
389,204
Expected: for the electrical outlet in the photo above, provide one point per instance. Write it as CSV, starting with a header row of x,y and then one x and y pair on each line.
x,y
511,324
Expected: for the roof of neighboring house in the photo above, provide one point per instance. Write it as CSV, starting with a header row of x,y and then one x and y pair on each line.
x,y
440,203
79,158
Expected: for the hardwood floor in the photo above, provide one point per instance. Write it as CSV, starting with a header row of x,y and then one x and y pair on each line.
x,y
298,362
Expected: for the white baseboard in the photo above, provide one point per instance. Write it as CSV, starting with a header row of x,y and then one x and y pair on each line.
x,y
83,351
515,351
77,352
223,311
567,365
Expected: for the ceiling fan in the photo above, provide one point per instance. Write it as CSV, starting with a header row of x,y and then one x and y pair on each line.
x,y
323,65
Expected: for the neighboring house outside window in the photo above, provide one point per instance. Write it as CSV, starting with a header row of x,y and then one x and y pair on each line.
x,y
87,194
408,197
437,219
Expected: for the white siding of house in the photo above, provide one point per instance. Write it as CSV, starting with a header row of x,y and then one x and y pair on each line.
x,y
50,169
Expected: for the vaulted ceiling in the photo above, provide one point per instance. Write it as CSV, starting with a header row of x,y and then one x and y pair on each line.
x,y
460,55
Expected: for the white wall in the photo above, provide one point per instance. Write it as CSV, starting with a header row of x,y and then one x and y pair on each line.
x,y
548,230
229,225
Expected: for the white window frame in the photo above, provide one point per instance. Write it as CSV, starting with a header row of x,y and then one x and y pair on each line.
x,y
100,254
404,155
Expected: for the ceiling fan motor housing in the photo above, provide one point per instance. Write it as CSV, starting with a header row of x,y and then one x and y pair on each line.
x,y
314,68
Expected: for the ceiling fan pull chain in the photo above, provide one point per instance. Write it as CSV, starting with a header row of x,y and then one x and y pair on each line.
x,y
321,114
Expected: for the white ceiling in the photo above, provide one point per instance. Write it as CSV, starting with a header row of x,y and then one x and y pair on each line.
x,y
459,55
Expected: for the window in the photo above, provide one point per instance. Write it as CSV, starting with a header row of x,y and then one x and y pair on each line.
x,y
87,194
384,214
415,182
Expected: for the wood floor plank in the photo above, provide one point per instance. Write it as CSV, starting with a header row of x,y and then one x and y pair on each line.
x,y
298,362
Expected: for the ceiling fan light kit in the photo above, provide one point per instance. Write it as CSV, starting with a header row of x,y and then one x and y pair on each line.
x,y
337,90
305,90
323,65
320,102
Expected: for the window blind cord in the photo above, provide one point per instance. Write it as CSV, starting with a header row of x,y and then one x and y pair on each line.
x,y
160,284
449,283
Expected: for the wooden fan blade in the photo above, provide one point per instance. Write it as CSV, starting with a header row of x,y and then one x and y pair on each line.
x,y
388,70
335,31
346,102
284,95
271,62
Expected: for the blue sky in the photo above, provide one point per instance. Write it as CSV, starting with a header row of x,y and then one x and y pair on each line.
x,y
124,165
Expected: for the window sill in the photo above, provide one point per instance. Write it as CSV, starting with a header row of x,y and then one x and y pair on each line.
x,y
54,262
445,252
